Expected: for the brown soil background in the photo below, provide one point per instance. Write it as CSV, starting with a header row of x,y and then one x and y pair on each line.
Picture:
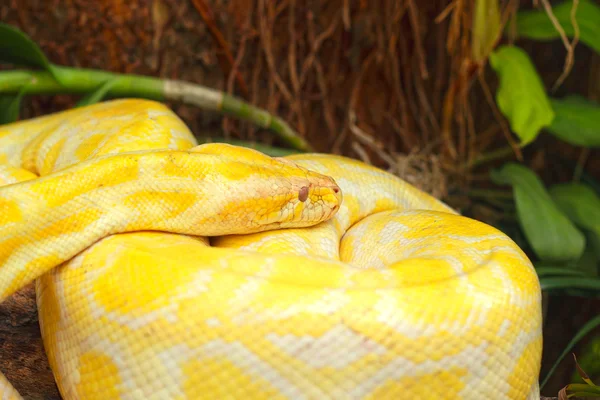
x,y
389,82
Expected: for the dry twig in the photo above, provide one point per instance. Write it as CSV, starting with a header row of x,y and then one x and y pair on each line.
x,y
569,46
209,20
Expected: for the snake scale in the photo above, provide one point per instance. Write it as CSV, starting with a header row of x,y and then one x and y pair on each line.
x,y
168,270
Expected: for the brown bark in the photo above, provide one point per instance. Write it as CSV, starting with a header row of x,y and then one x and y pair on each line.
x,y
22,357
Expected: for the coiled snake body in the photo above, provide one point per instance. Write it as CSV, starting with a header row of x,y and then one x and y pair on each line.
x,y
166,270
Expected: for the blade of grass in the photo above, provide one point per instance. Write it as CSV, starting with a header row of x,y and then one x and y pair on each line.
x,y
544,271
570,283
585,329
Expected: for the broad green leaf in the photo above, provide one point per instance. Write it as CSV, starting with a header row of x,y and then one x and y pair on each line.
x,y
98,94
536,24
585,177
587,265
579,202
552,236
486,28
521,95
18,48
576,121
585,329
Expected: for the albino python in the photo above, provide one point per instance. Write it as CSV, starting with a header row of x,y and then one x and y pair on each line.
x,y
167,270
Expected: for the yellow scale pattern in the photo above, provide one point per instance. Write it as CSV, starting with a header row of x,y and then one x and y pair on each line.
x,y
167,270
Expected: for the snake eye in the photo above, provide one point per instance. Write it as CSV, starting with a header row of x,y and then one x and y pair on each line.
x,y
303,194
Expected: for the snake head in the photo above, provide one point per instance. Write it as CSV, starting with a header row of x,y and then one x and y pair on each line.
x,y
298,197
261,193
283,194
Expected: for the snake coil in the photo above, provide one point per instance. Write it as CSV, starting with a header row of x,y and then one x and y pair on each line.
x,y
167,270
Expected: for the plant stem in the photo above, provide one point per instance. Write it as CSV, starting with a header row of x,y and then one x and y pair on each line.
x,y
491,156
84,81
218,101
490,193
80,81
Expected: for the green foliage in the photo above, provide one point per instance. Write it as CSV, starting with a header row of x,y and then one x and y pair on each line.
x,y
562,223
486,28
95,85
543,271
98,94
587,389
580,285
551,234
577,120
585,329
580,203
537,25
589,261
521,95
590,354
10,106
18,49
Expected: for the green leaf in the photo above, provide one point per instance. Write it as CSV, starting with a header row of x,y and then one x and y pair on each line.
x,y
594,393
580,387
98,94
521,95
584,375
588,262
568,283
537,25
588,360
486,28
585,329
10,106
543,270
18,48
579,202
552,236
577,121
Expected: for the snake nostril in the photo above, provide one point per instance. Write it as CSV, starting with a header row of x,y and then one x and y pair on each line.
x,y
336,189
